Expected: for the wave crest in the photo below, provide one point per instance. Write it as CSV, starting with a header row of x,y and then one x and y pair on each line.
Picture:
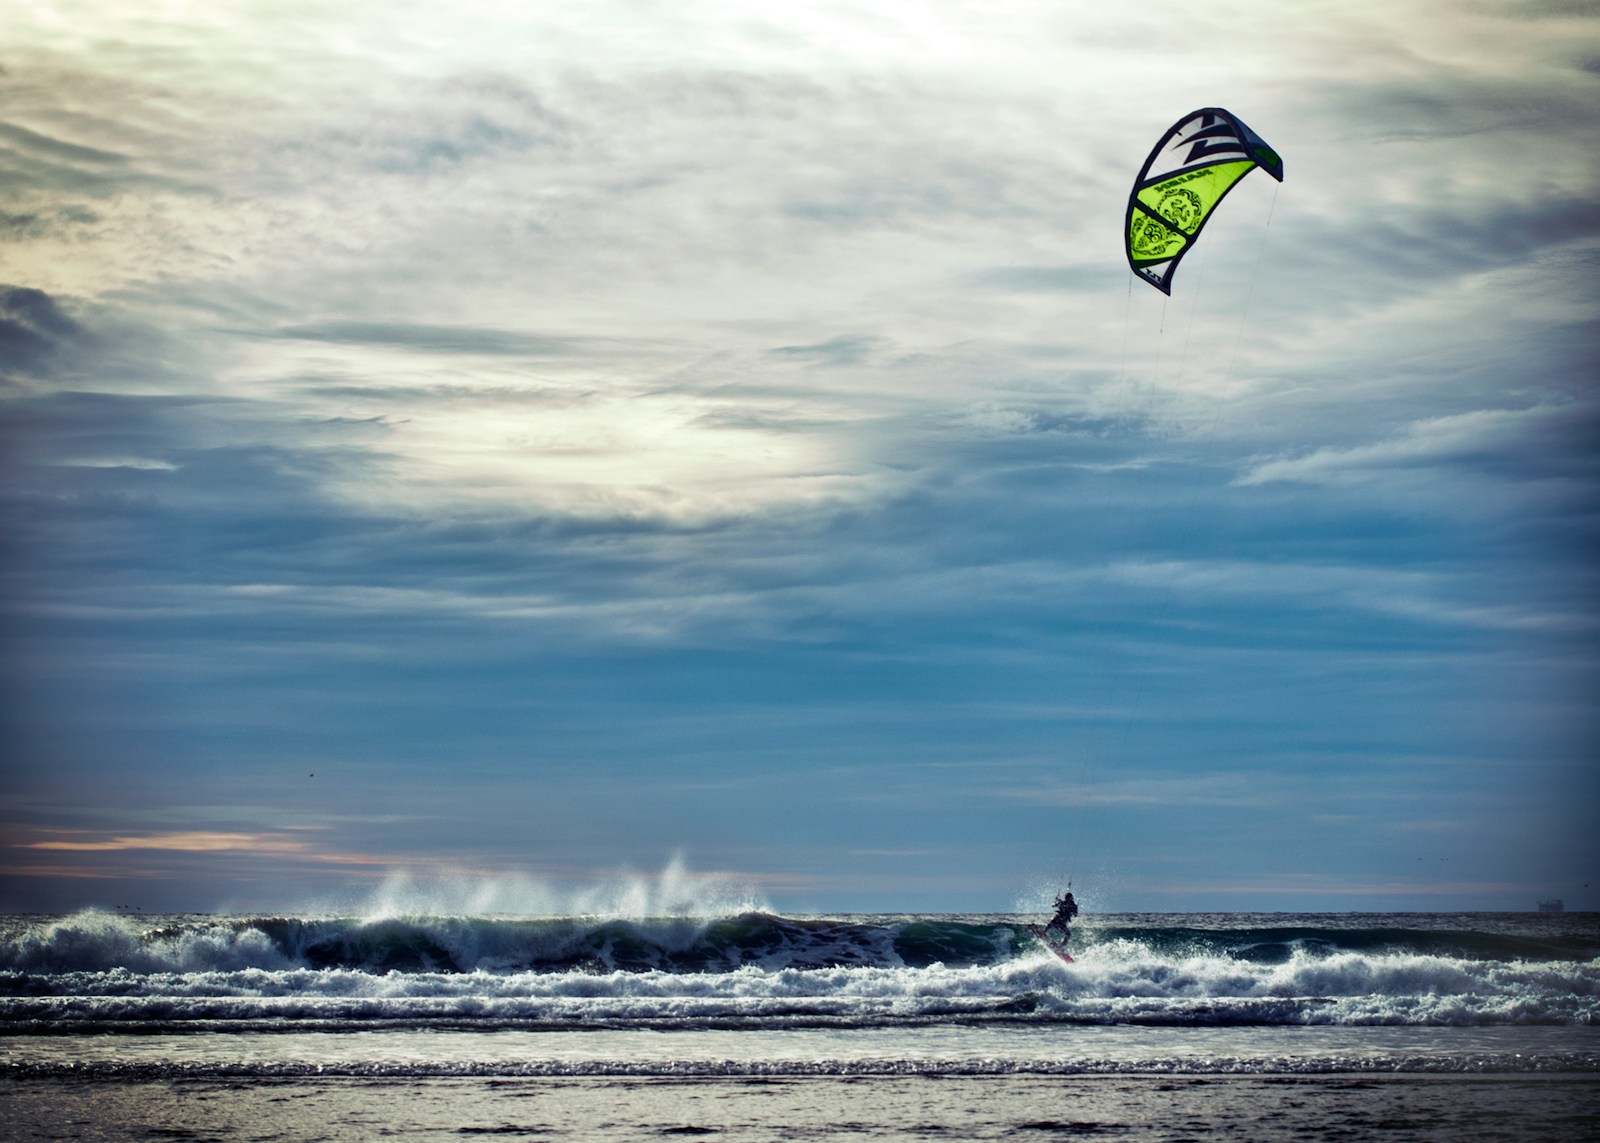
x,y
101,970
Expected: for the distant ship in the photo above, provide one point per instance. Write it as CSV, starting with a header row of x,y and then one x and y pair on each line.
x,y
1553,905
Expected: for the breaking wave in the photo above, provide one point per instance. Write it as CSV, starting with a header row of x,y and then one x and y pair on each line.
x,y
96,941
94,970
99,942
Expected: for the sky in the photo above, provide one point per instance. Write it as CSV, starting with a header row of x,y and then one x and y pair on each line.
x,y
497,455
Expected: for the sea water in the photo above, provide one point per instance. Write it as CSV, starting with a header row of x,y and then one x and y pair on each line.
x,y
103,994
750,1027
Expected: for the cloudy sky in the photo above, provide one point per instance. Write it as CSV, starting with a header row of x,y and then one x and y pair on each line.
x,y
495,447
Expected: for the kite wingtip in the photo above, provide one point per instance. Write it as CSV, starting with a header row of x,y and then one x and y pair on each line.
x,y
1151,279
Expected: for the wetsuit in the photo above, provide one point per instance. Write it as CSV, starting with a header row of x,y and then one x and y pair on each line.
x,y
1066,909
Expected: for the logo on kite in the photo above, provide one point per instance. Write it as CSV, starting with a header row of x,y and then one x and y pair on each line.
x,y
1149,239
1189,172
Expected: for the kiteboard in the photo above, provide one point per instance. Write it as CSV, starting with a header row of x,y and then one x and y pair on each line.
x,y
1045,940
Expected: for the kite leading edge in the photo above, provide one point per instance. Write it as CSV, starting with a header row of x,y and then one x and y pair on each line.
x,y
1189,172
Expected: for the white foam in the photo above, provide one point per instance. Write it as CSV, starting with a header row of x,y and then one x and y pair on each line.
x,y
101,968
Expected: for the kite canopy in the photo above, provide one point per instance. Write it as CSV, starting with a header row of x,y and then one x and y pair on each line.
x,y
1194,166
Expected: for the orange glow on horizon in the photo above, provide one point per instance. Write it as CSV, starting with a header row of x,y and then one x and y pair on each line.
x,y
192,841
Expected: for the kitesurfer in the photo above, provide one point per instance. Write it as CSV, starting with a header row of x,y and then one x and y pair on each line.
x,y
1066,909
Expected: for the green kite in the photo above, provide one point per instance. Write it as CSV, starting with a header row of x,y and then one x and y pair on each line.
x,y
1190,171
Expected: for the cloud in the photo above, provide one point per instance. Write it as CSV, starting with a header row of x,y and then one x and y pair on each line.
x,y
188,841
33,329
36,163
109,856
1543,9
1425,597
423,338
842,350
1214,789
1480,439
1050,279
33,141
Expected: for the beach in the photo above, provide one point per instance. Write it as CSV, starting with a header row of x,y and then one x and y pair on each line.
x,y
1561,1107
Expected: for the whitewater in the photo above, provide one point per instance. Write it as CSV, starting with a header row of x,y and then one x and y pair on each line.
x,y
752,1025
194,975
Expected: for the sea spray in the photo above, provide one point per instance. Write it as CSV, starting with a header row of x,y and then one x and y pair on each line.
x,y
675,891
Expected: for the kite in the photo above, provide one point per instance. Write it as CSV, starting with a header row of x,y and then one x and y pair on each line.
x,y
1191,170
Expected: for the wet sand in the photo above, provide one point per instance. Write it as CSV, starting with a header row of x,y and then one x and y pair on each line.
x,y
1558,1107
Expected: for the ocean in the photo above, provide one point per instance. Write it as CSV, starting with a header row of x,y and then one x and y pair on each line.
x,y
755,1025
